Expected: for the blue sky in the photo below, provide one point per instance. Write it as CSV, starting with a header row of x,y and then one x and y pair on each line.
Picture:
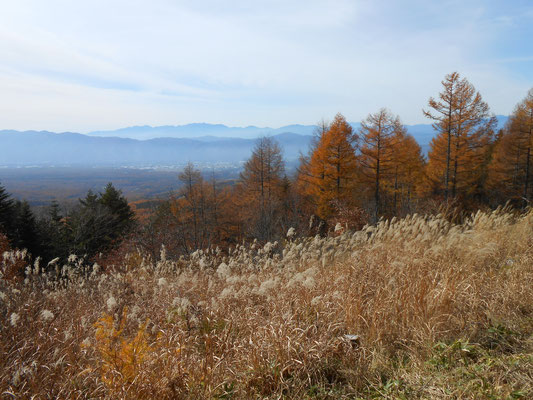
x,y
92,65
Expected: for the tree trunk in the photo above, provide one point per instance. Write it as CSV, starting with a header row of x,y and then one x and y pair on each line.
x,y
376,194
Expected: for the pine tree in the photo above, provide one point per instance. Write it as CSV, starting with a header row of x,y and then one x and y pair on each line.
x,y
54,212
53,234
117,204
99,222
26,235
90,229
6,211
90,201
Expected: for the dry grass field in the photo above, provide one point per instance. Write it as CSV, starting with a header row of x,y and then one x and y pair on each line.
x,y
442,311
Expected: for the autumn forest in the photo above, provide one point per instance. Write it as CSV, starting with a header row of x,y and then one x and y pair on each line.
x,y
347,179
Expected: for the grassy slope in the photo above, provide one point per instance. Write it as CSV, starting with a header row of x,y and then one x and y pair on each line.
x,y
442,312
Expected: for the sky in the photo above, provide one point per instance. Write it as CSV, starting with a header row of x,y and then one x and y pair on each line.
x,y
106,64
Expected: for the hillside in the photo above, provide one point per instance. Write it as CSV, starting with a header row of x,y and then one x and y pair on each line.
x,y
441,311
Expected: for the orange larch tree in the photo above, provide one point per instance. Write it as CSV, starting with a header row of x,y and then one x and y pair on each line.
x,y
261,187
193,218
443,112
407,171
511,169
304,176
329,174
379,136
458,154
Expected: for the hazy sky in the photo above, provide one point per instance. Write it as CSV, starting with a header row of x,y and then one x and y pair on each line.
x,y
91,65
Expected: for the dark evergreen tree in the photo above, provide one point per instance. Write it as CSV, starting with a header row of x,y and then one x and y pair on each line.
x,y
53,234
90,230
6,211
54,212
99,223
90,200
113,200
25,234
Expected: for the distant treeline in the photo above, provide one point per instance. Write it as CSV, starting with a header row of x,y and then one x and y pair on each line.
x,y
347,179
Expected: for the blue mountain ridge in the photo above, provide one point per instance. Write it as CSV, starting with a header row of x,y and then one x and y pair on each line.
x,y
163,145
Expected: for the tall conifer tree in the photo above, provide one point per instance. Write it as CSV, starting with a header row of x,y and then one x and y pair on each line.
x,y
511,169
330,174
458,154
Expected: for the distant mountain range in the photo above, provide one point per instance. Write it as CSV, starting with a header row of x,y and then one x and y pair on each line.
x,y
163,145
57,149
200,130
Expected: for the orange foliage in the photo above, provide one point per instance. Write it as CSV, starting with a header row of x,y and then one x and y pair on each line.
x,y
407,172
379,141
391,164
511,171
458,154
122,358
330,174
